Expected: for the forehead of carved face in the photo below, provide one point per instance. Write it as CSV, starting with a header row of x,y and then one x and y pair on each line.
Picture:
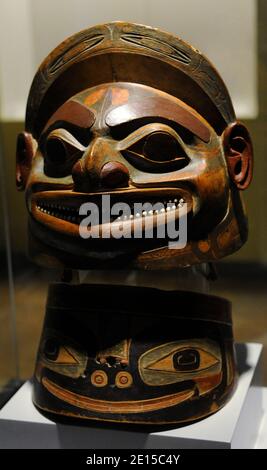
x,y
134,143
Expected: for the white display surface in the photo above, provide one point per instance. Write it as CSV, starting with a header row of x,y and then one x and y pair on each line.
x,y
261,442
237,425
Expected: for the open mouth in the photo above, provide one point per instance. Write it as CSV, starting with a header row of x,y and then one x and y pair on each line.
x,y
115,407
72,215
61,210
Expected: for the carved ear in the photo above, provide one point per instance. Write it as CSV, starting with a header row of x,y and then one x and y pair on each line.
x,y
26,147
239,154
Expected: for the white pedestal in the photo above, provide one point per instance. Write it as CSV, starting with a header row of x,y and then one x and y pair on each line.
x,y
236,426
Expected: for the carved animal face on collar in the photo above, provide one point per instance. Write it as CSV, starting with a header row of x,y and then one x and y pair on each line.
x,y
148,367
137,144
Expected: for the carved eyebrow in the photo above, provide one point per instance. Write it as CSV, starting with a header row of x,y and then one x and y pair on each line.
x,y
159,108
72,112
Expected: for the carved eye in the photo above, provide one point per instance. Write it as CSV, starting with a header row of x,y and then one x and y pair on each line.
x,y
61,150
161,147
55,151
186,360
61,356
57,353
179,361
157,152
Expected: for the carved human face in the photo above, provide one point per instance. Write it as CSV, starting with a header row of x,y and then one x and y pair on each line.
x,y
136,144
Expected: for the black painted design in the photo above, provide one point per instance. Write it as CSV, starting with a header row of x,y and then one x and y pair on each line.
x,y
157,46
74,53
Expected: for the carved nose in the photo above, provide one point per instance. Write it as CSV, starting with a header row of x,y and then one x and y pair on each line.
x,y
114,174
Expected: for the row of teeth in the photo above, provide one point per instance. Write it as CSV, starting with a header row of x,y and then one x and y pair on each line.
x,y
58,215
55,207
72,214
169,206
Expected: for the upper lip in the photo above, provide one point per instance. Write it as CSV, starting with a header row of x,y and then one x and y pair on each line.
x,y
75,199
